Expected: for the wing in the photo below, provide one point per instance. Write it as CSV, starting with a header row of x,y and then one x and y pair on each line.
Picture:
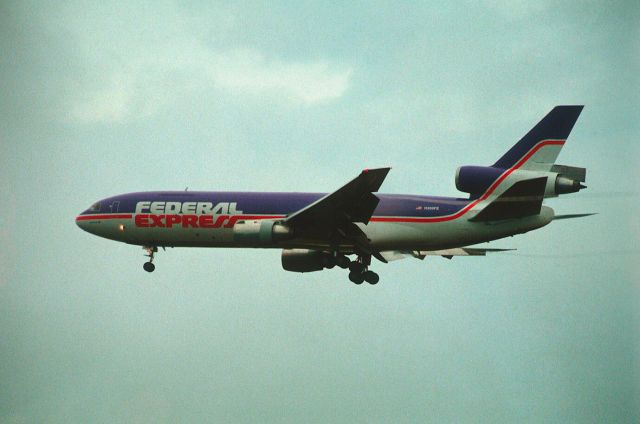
x,y
334,215
354,201
393,255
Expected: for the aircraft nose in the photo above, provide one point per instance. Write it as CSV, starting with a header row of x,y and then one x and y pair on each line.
x,y
81,223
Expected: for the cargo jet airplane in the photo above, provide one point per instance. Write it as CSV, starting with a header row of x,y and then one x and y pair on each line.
x,y
317,230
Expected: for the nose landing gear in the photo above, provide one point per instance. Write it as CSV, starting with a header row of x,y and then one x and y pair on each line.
x,y
150,250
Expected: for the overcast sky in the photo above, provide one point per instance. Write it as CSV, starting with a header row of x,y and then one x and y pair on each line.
x,y
101,99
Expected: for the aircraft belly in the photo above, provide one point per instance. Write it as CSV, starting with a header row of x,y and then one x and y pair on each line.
x,y
409,235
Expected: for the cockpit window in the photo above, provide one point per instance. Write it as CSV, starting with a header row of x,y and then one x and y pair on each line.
x,y
95,207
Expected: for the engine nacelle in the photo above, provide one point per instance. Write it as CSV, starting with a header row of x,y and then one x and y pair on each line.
x,y
564,185
261,232
568,178
303,260
476,179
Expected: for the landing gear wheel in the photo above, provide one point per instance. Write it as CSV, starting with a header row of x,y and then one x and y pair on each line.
x,y
356,277
342,261
150,251
371,277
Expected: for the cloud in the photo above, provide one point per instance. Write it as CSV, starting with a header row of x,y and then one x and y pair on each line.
x,y
143,85
248,71
131,63
109,103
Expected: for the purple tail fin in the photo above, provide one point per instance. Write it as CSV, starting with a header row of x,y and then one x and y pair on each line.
x,y
552,130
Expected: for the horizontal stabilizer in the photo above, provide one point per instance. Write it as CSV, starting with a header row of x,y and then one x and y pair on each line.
x,y
522,199
393,255
575,215
461,251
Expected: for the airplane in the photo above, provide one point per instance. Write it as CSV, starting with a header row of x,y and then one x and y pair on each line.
x,y
319,231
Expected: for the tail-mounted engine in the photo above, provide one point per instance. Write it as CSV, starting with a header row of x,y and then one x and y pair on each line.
x,y
257,233
568,179
561,179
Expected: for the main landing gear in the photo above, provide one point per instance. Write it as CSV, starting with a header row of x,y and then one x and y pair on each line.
x,y
150,250
360,272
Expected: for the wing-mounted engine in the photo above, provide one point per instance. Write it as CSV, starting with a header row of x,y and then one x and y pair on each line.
x,y
260,233
561,179
303,260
